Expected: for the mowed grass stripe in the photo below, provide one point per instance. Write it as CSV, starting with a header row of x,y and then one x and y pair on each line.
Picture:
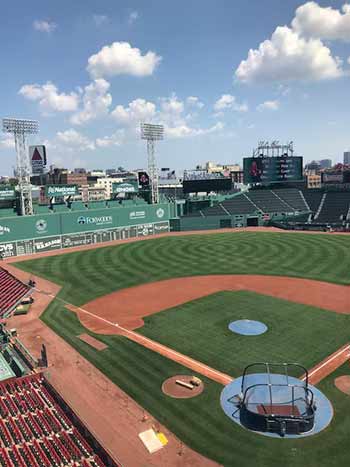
x,y
247,253
200,422
296,333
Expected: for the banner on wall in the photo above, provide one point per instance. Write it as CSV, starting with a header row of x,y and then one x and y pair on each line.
x,y
61,190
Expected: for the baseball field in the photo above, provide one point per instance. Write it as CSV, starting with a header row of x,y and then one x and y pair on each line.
x,y
303,298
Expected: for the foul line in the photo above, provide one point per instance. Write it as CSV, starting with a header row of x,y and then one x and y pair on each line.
x,y
328,361
140,337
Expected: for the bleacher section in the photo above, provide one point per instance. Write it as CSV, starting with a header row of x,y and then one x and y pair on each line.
x,y
266,201
313,199
239,205
35,431
336,205
12,291
293,198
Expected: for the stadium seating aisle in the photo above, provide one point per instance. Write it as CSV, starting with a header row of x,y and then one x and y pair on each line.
x,y
335,207
34,430
11,291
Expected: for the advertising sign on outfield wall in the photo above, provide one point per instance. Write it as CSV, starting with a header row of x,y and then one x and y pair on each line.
x,y
8,249
61,190
7,193
125,187
47,244
27,247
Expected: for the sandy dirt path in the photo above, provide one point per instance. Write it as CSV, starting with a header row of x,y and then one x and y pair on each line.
x,y
111,415
128,307
329,364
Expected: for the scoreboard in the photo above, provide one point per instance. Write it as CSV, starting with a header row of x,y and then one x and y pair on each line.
x,y
272,169
207,185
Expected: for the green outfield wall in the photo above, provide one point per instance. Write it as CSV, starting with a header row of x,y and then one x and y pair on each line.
x,y
216,222
45,232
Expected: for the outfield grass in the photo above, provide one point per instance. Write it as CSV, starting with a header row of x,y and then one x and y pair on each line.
x,y
200,422
296,333
88,274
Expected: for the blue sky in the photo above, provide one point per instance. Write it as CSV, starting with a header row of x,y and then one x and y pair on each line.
x,y
91,71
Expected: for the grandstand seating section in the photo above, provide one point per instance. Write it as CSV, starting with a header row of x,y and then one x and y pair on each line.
x,y
313,199
336,205
35,431
293,198
12,291
267,201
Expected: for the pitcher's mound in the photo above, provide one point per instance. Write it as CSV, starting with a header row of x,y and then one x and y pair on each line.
x,y
182,386
343,384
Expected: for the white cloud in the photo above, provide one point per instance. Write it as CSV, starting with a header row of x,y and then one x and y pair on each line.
x,y
100,20
120,58
170,113
44,26
194,101
134,15
269,105
288,56
74,140
96,102
115,139
137,111
171,110
227,101
50,100
184,131
312,20
7,142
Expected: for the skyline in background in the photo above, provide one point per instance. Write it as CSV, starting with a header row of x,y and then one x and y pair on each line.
x,y
219,77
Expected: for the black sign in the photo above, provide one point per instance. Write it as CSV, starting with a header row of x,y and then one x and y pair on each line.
x,y
47,244
207,185
76,240
161,227
272,169
143,180
144,230
8,249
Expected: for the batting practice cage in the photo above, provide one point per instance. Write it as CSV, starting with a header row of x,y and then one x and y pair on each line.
x,y
275,398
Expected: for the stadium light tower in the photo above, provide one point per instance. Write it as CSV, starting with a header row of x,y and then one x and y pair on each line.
x,y
152,133
20,129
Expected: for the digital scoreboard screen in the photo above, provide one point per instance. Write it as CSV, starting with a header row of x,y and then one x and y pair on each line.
x,y
207,185
272,169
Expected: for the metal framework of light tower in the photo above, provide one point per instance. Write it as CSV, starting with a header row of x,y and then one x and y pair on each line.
x,y
152,133
20,129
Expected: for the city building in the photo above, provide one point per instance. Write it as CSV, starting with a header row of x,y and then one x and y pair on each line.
x,y
325,163
314,180
107,184
346,160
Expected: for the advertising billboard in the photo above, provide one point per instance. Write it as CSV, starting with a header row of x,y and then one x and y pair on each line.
x,y
167,174
61,190
7,193
272,169
37,155
207,185
335,177
131,186
143,180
